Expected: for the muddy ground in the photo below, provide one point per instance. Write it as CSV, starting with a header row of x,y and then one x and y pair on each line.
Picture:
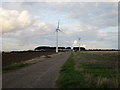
x,y
9,58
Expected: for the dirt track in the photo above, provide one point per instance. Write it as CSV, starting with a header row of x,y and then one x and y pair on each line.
x,y
40,75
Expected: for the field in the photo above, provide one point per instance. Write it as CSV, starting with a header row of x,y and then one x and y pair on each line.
x,y
18,57
90,69
16,60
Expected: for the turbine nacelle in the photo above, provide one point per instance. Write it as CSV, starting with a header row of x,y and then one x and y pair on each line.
x,y
58,30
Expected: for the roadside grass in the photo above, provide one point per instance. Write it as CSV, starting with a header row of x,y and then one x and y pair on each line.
x,y
15,67
89,70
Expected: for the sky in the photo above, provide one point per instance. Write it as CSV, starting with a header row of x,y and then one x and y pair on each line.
x,y
26,25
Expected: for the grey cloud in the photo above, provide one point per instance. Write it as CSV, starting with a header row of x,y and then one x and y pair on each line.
x,y
83,20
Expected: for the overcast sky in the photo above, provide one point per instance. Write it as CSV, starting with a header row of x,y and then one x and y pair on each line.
x,y
26,25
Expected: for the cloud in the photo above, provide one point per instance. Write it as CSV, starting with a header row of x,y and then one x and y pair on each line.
x,y
8,46
37,33
95,14
61,1
111,35
44,26
13,20
90,21
85,13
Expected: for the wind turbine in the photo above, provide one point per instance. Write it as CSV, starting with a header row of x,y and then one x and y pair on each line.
x,y
79,43
57,30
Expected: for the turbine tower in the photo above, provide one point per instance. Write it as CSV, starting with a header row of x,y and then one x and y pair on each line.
x,y
57,30
79,43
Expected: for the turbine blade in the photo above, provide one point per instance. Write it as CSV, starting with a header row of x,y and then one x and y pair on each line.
x,y
60,30
58,25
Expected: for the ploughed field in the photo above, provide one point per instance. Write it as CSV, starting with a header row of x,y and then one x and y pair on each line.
x,y
9,58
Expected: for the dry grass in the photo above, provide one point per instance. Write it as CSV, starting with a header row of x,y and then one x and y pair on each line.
x,y
104,81
99,51
106,62
99,81
88,79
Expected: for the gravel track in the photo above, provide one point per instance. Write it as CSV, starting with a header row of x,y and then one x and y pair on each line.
x,y
40,75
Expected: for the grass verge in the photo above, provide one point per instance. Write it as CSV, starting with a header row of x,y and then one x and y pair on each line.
x,y
89,70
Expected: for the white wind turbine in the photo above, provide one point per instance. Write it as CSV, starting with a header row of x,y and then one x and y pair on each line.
x,y
79,42
57,30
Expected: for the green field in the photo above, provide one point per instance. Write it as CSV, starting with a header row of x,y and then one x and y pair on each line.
x,y
90,69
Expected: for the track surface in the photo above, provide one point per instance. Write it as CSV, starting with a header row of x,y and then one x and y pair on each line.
x,y
39,75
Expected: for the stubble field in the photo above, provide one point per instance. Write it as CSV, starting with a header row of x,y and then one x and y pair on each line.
x,y
90,69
